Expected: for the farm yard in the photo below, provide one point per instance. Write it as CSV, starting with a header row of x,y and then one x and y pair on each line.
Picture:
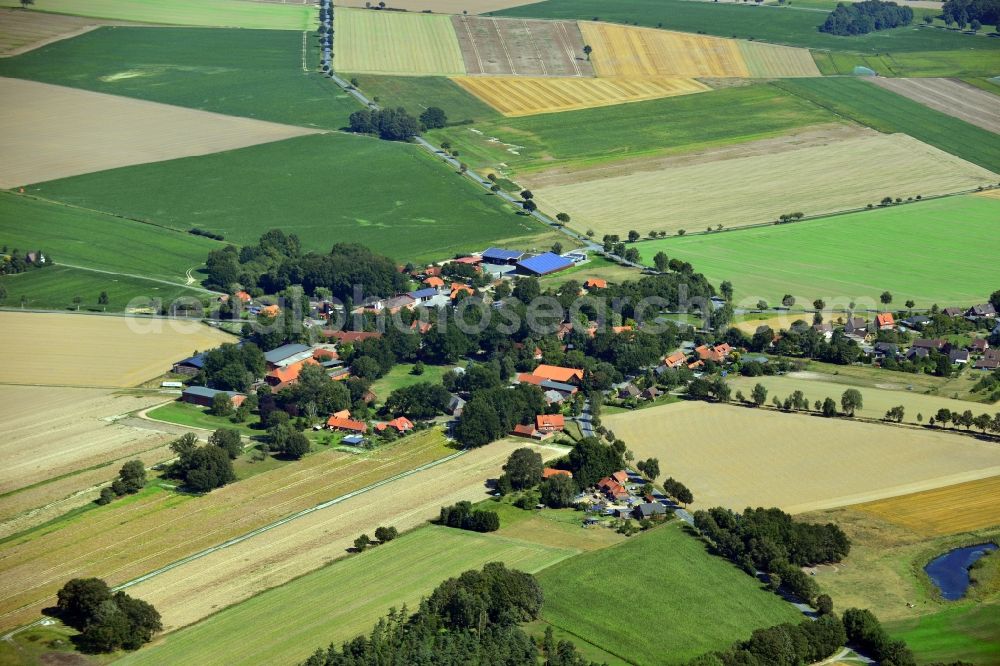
x,y
949,96
845,258
76,350
520,47
52,132
669,579
964,507
737,457
211,13
524,96
22,31
815,180
396,43
321,607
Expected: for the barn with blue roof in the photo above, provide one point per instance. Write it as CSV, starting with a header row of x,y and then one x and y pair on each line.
x,y
543,264
496,255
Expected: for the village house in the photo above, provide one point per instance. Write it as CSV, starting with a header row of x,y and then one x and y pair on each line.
x,y
719,353
885,321
595,283
979,346
652,393
400,424
989,361
283,377
675,360
982,311
550,423
916,321
825,329
612,489
192,365
953,312
346,424
558,374
648,510
629,391
528,430
958,356
856,326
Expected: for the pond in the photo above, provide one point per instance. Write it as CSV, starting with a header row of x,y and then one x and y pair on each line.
x,y
950,572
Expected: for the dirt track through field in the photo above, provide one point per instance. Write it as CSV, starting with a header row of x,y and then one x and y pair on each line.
x,y
193,591
950,96
738,456
521,47
50,132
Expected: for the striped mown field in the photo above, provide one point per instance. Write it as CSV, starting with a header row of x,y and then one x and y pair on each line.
x,y
526,96
374,42
771,60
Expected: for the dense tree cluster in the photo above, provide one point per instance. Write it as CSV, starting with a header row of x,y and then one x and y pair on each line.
x,y
232,367
492,413
558,491
465,517
389,124
805,643
523,469
860,18
106,621
591,460
799,341
678,491
433,117
965,11
864,630
202,468
131,479
422,400
769,540
471,619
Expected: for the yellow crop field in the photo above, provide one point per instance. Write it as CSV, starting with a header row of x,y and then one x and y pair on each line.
x,y
708,191
950,510
376,42
97,351
625,51
739,456
526,96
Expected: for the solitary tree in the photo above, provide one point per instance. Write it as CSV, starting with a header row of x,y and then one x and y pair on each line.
x,y
851,401
886,298
527,195
361,542
563,218
103,298
25,3
633,236
661,262
524,468
819,304
788,300
384,534
587,50
529,206
759,395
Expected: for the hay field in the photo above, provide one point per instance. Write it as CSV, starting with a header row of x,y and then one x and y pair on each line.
x,y
521,47
737,456
130,538
950,96
52,132
963,507
198,589
22,31
524,96
624,51
757,189
374,42
209,13
95,351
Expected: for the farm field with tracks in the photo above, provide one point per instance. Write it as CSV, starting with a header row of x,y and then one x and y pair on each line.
x,y
211,13
952,97
521,47
72,350
52,132
322,608
524,96
844,258
797,462
815,180
395,43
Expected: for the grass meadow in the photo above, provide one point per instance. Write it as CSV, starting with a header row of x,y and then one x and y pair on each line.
x,y
658,598
342,600
250,73
328,188
212,13
780,25
401,377
886,111
674,125
416,93
965,632
909,250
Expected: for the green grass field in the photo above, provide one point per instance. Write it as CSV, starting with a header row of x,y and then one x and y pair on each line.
x,y
396,43
342,600
327,188
96,240
909,63
886,111
658,598
963,632
780,25
250,73
909,250
213,13
416,93
401,377
674,125
194,416
54,288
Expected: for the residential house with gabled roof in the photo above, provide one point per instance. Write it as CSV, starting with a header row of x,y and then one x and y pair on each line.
x,y
346,425
675,360
558,373
958,356
595,283
979,345
953,312
718,354
856,326
434,282
400,424
282,377
550,423
614,490
630,390
982,311
202,395
885,321
525,430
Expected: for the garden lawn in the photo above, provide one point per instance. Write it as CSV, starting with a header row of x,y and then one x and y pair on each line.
x,y
885,111
618,597
334,604
194,416
416,93
780,25
250,73
328,189
96,240
214,13
674,125
401,377
55,287
908,250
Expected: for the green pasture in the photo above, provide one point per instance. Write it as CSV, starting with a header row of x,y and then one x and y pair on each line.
x,y
416,93
401,376
970,62
213,13
925,251
966,631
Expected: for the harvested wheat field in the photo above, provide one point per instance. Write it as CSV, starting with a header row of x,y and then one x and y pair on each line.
x,y
521,47
815,180
377,42
22,31
130,538
444,6
50,432
963,507
95,351
950,96
524,96
51,132
624,51
193,591
738,456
